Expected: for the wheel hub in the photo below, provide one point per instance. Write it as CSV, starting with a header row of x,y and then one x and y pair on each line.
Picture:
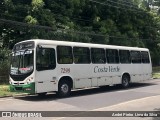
x,y
64,88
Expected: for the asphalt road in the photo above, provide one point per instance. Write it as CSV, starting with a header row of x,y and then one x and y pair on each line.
x,y
139,97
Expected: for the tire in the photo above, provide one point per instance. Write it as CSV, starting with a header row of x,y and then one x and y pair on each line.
x,y
125,81
64,88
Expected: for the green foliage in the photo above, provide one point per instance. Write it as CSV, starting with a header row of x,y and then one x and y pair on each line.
x,y
4,61
116,22
30,20
5,91
36,4
4,65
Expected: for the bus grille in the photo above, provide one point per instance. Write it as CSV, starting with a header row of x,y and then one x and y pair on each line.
x,y
18,88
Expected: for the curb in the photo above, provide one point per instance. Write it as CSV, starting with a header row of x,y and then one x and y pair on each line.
x,y
16,95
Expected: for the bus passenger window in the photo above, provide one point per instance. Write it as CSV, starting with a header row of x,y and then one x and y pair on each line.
x,y
124,56
135,56
45,59
64,55
145,57
112,56
81,55
98,55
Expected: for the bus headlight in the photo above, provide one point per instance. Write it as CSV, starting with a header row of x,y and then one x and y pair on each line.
x,y
29,80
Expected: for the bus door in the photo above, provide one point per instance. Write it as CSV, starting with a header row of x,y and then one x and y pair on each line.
x,y
45,69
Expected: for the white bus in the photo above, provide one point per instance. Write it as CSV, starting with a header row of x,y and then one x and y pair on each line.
x,y
41,66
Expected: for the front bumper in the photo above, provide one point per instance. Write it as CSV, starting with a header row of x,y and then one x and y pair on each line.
x,y
29,88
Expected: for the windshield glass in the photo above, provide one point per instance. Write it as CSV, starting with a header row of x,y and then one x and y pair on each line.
x,y
22,62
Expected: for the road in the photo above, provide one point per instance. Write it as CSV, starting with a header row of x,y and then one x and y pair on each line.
x,y
139,97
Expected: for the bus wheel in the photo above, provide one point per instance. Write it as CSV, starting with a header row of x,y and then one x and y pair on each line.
x,y
125,81
64,88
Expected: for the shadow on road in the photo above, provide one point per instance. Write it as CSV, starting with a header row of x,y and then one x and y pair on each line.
x,y
84,92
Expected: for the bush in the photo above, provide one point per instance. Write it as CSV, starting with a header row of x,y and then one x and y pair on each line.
x,y
4,65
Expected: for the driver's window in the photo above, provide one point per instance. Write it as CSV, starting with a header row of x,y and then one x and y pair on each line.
x,y
45,59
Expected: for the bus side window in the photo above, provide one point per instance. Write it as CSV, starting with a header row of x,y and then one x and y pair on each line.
x,y
112,56
135,56
145,57
45,59
124,56
64,55
81,55
98,55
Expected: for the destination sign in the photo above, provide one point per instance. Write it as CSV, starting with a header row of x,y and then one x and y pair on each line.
x,y
24,45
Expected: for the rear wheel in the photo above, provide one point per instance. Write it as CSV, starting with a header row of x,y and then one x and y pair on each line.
x,y
125,81
64,88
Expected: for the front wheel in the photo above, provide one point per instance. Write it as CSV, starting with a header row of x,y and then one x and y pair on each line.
x,y
125,81
64,88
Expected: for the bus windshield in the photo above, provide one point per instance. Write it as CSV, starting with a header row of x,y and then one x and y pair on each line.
x,y
22,62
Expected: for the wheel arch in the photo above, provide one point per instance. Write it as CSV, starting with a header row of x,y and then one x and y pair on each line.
x,y
68,79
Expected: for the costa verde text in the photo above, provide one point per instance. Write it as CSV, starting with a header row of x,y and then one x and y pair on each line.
x,y
98,69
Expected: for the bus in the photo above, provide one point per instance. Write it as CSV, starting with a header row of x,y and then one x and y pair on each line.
x,y
41,66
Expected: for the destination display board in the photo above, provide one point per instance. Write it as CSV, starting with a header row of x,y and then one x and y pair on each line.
x,y
24,45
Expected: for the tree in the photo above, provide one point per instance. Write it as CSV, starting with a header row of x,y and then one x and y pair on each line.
x,y
117,22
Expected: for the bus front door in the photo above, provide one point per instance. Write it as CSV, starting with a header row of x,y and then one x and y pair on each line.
x,y
45,69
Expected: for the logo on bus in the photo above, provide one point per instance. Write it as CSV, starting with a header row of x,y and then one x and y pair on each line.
x,y
106,69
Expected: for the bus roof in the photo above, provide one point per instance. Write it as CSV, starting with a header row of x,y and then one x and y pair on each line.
x,y
79,44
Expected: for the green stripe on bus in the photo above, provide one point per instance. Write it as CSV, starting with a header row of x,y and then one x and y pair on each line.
x,y
29,88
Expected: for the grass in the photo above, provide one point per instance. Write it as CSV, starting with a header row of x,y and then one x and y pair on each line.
x,y
156,75
4,91
156,72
